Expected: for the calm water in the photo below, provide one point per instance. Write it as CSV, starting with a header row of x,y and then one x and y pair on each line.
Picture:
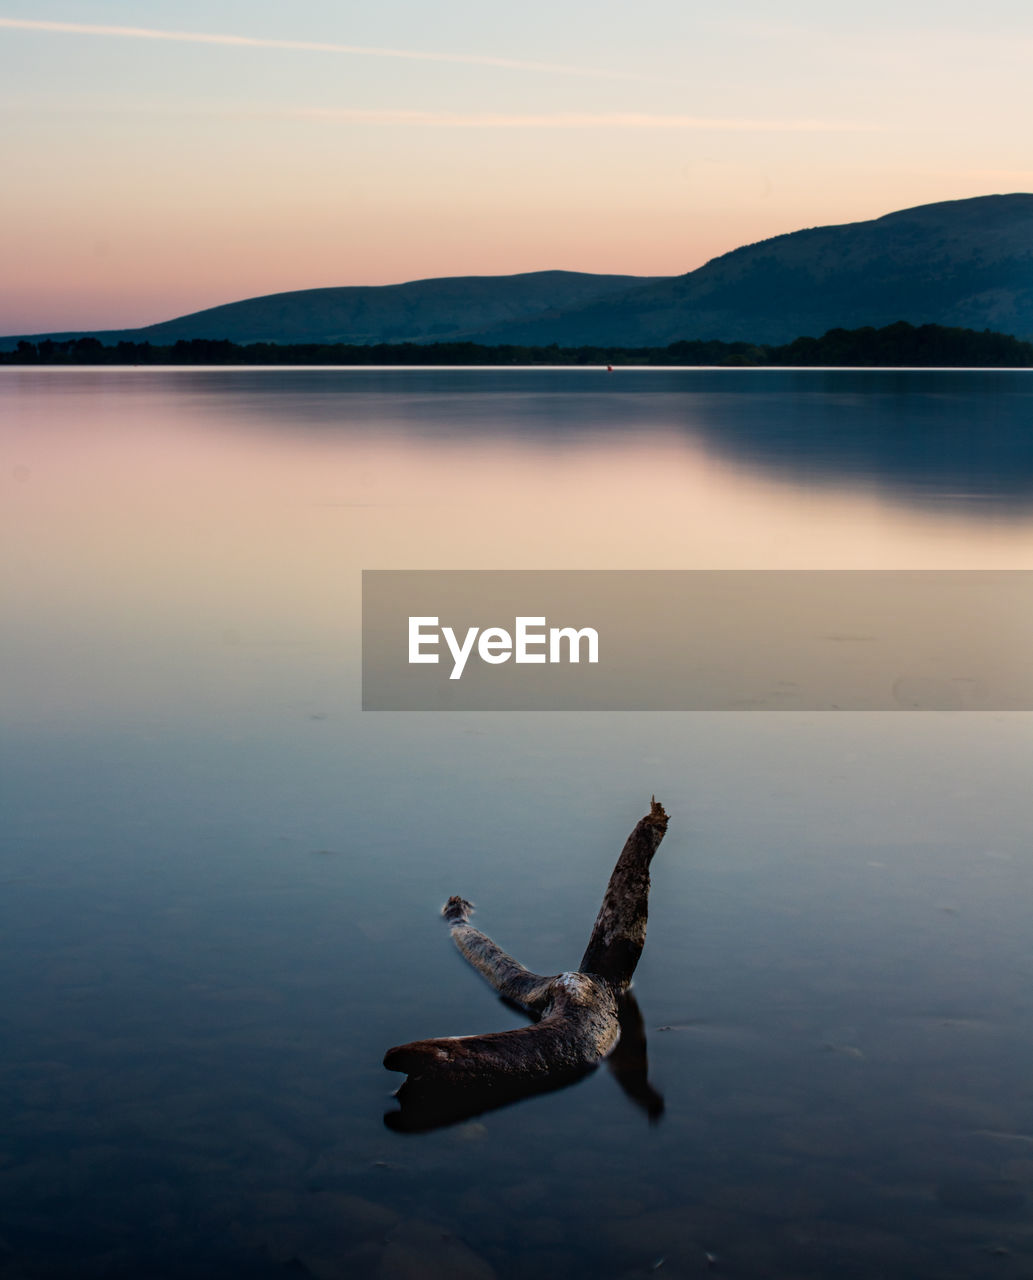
x,y
220,880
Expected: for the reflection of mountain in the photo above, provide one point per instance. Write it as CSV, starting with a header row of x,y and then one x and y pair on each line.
x,y
959,439
944,437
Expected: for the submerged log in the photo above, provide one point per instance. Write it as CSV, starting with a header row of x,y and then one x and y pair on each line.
x,y
578,1014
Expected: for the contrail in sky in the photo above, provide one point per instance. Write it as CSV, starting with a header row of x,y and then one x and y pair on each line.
x,y
572,120
305,46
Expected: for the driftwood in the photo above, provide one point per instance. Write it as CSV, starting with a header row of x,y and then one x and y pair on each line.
x,y
580,1016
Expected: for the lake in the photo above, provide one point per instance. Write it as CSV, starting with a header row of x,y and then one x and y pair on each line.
x,y
221,881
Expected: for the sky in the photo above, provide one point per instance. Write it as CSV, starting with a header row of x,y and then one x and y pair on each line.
x,y
160,158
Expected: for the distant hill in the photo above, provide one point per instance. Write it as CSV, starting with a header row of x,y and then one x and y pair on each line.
x,y
450,309
962,263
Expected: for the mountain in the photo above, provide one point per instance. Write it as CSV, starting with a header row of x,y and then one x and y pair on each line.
x,y
961,263
966,263
449,309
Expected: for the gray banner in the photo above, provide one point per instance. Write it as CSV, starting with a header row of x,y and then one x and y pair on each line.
x,y
697,640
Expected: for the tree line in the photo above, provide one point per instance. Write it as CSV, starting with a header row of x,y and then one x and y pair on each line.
x,y
901,345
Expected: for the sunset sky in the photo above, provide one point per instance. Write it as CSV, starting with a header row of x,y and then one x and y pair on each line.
x,y
160,158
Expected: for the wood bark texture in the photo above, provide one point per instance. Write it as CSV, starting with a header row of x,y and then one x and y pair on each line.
x,y
576,1014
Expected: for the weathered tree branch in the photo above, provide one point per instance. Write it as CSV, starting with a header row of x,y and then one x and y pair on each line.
x,y
509,978
620,928
578,1019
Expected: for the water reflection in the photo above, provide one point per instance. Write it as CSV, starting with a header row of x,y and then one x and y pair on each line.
x,y
423,1106
194,1005
960,439
629,1062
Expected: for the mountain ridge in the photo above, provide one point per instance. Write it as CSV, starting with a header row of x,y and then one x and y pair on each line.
x,y
960,263
435,309
966,263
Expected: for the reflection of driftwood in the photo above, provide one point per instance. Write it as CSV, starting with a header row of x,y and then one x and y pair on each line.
x,y
580,1016
629,1061
427,1104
